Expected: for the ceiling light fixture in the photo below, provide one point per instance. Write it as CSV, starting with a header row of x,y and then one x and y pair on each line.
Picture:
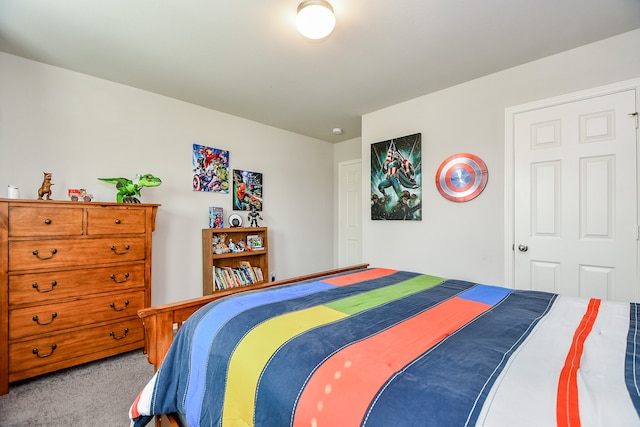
x,y
315,19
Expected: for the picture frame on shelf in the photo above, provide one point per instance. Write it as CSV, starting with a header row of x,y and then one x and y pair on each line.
x,y
216,217
254,242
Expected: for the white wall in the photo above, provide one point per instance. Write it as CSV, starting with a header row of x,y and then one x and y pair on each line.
x,y
466,240
80,128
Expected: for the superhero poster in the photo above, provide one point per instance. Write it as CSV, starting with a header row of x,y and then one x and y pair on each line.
x,y
396,179
247,190
210,169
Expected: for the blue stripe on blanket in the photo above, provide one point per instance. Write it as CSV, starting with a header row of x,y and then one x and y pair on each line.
x,y
632,359
212,318
480,355
486,294
215,319
312,348
237,326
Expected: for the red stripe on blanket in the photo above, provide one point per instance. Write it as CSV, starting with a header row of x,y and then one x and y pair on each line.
x,y
133,411
349,279
568,409
342,388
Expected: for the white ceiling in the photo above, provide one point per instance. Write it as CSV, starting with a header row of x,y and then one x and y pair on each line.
x,y
244,57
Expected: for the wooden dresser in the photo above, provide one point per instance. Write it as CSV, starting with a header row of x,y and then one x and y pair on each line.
x,y
72,277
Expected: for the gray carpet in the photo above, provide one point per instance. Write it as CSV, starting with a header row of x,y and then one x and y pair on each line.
x,y
94,394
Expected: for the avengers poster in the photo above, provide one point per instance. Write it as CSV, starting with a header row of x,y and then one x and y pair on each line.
x,y
210,169
247,190
396,179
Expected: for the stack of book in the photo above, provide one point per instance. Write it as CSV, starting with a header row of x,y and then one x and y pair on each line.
x,y
244,275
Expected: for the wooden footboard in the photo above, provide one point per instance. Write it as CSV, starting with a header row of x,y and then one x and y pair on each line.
x,y
162,322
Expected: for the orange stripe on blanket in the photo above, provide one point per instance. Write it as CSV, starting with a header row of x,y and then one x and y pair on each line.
x,y
133,411
349,279
342,388
568,409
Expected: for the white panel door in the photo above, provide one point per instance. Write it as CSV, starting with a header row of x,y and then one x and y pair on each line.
x,y
575,225
350,213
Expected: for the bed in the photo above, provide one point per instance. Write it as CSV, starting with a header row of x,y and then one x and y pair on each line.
x,y
382,347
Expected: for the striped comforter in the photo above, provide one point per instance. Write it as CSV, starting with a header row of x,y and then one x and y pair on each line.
x,y
382,347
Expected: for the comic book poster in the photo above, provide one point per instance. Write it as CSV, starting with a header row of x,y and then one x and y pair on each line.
x,y
216,217
247,190
210,169
396,179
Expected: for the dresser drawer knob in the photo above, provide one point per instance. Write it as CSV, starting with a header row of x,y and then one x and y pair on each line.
x,y
37,353
113,334
126,249
47,221
53,252
118,221
35,286
113,305
126,276
53,316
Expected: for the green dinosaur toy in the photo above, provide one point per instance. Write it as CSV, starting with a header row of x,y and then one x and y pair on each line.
x,y
128,189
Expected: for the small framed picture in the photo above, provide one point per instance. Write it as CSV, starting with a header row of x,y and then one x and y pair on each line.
x,y
216,217
254,242
247,190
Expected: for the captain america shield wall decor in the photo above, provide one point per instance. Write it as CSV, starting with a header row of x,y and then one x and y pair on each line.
x,y
396,179
461,177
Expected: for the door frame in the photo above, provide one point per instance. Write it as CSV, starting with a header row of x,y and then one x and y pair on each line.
x,y
509,159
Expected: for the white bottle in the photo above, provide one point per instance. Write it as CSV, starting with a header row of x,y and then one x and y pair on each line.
x,y
13,192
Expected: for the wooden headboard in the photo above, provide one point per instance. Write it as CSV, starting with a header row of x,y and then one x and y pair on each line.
x,y
163,321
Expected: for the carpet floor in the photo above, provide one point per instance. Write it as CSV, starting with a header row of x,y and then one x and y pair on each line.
x,y
94,394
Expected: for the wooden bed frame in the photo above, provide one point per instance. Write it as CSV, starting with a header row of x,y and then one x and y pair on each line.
x,y
163,321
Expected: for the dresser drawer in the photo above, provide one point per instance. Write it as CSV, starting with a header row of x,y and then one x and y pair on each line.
x,y
44,221
60,348
46,287
115,221
52,318
38,254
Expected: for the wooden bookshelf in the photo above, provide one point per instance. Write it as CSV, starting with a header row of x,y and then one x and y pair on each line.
x,y
233,260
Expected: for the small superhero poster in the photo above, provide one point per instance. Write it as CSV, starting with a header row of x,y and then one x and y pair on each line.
x,y
396,179
247,190
210,169
216,217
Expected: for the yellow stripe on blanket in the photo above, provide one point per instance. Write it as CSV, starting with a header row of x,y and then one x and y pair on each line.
x,y
253,353
258,346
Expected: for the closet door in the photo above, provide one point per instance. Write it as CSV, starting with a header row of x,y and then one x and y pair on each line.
x,y
576,198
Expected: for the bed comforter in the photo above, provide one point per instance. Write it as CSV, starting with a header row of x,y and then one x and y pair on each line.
x,y
382,347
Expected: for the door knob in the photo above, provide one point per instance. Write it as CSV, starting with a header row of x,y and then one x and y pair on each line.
x,y
523,248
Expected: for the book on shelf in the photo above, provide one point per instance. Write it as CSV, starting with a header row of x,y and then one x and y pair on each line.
x,y
245,266
216,217
243,275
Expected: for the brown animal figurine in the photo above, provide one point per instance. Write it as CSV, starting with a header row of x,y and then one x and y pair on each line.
x,y
45,188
